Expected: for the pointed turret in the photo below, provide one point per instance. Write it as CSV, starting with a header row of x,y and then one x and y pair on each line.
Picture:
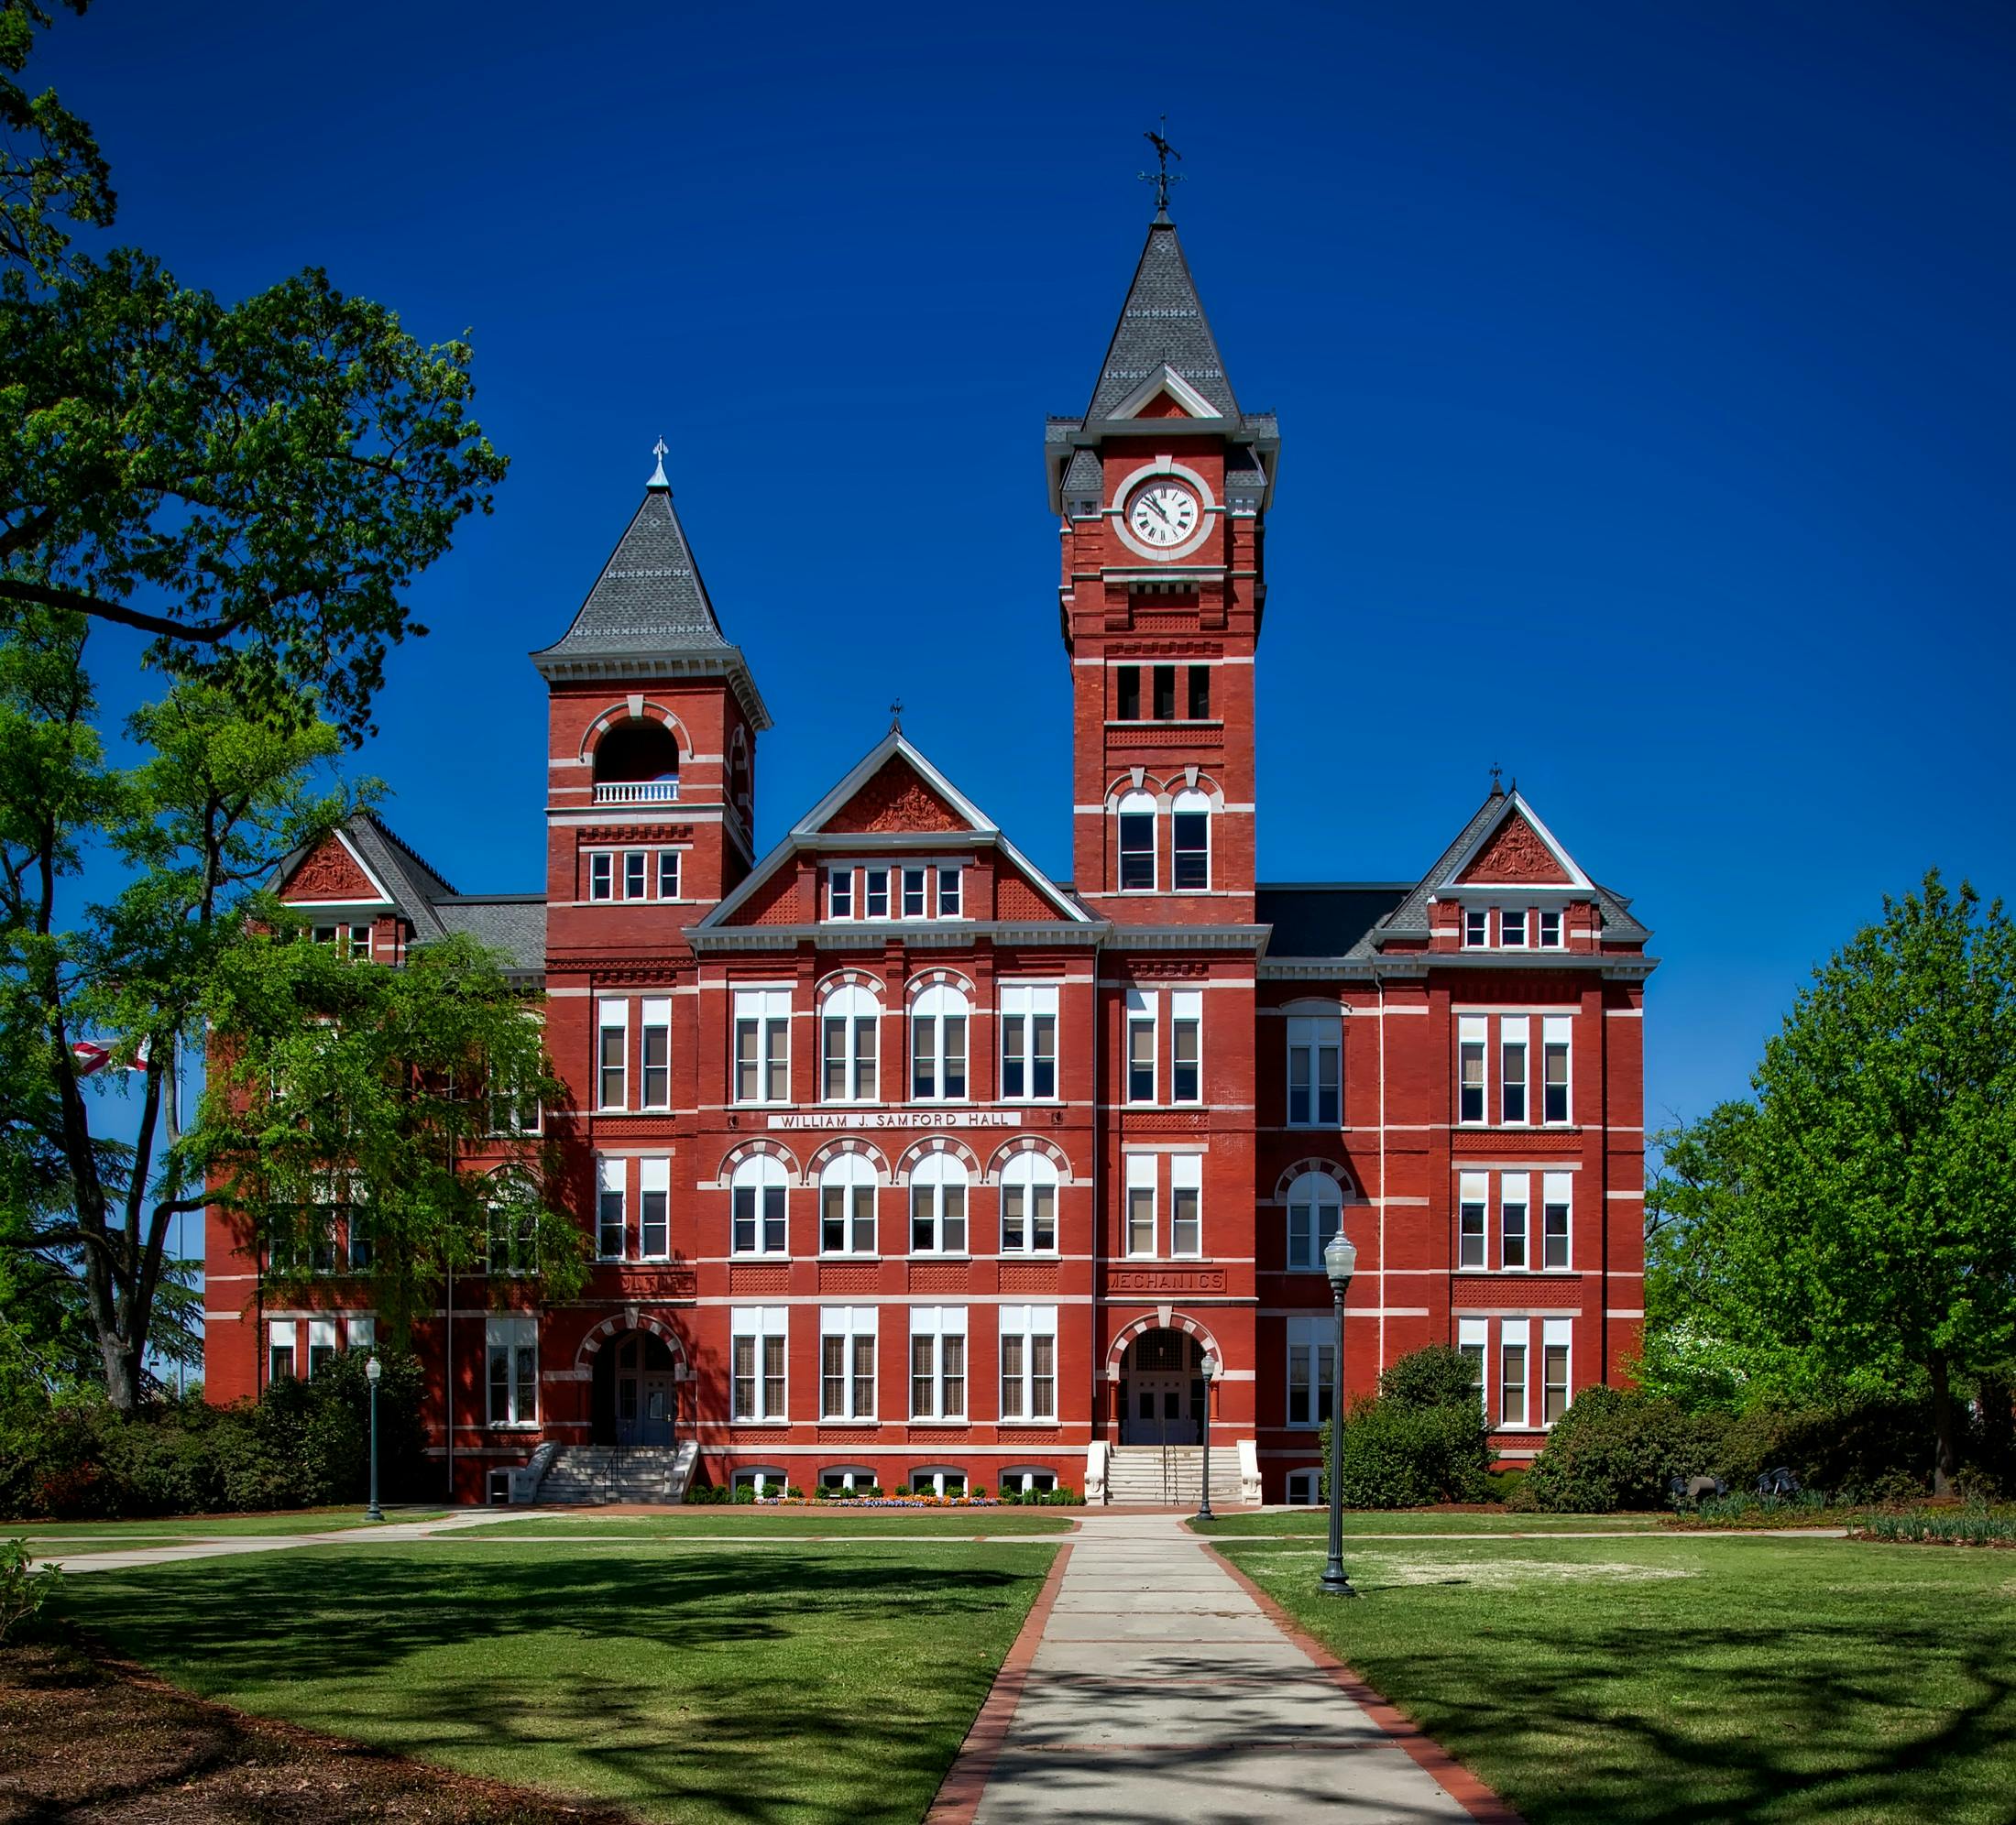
x,y
1162,325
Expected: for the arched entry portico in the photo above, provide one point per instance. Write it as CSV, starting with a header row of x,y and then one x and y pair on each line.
x,y
635,1365
1161,1397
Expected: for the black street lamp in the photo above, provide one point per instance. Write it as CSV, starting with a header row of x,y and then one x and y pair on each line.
x,y
1338,1260
1210,1374
371,1373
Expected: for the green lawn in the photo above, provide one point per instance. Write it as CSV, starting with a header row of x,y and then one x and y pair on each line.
x,y
1314,1523
212,1526
791,1524
1647,1681
804,1683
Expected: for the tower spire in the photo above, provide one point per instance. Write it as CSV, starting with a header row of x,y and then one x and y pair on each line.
x,y
1162,177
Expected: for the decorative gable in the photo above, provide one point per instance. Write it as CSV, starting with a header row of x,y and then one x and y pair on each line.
x,y
332,874
1017,899
894,800
1515,851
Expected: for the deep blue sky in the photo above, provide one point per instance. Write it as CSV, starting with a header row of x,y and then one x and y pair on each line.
x,y
1644,375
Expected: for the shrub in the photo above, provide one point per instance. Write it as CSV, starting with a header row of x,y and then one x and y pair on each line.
x,y
1437,1376
23,1591
1849,1452
1614,1449
1421,1439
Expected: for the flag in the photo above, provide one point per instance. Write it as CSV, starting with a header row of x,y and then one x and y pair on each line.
x,y
89,1057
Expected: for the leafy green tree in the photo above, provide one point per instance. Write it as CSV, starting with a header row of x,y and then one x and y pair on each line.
x,y
1858,1226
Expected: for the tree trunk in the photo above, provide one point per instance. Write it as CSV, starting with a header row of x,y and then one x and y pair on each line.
x,y
1945,1454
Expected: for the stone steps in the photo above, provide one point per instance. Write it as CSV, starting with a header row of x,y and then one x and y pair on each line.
x,y
1145,1475
582,1475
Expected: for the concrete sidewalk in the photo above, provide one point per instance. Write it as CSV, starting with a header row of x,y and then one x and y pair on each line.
x,y
1161,1691
223,1546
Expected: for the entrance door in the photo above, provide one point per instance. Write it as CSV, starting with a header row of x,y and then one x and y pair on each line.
x,y
1158,1411
654,1421
628,1405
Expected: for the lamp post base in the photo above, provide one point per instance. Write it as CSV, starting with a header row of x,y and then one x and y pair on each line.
x,y
1335,1584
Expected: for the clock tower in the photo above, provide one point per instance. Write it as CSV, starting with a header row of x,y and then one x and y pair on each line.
x,y
1162,488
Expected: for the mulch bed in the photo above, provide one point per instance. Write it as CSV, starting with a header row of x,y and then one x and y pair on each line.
x,y
88,1740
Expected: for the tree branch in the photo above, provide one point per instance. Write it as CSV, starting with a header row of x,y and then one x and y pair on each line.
x,y
80,602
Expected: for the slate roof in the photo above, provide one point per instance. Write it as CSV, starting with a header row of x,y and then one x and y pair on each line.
x,y
413,883
649,597
514,924
1162,322
1324,918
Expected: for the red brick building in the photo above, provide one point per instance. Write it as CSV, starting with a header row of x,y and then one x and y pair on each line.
x,y
903,1161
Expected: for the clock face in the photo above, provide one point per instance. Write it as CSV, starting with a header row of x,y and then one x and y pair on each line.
x,y
1162,513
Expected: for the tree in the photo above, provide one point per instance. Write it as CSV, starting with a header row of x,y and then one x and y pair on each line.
x,y
1861,1221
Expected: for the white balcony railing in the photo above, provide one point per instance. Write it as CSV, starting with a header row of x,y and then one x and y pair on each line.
x,y
636,791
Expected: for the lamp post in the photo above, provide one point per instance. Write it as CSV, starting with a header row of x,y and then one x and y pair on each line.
x,y
372,1370
1210,1367
1339,1260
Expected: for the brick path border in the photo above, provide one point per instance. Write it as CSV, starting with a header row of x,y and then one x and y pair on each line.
x,y
958,1794
1481,1802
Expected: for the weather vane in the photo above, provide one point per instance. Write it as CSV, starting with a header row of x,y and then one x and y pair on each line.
x,y
1162,177
658,475
895,717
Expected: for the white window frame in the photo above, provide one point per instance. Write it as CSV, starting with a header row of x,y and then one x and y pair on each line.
x,y
852,1326
1552,923
669,868
1515,1035
937,1176
1137,805
1476,928
1558,1031
1316,1037
940,1013
360,1332
611,1178
601,874
1312,1350
653,1180
1190,802
935,1323
654,1016
1473,1193
761,1325
861,1016
1556,1334
1515,1335
1557,1193
913,883
1028,1179
1142,1016
875,885
1473,1340
1512,928
512,1333
951,892
1186,1181
1186,1017
1474,1033
1143,1187
767,1011
1022,1389
839,894
282,1334
850,1174
321,1336
1314,1194
760,1177
1516,1193
637,868
611,1015
1025,1006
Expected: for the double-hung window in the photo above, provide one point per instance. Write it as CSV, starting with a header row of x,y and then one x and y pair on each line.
x,y
1186,1045
654,1209
1512,1038
762,1045
513,1225
914,881
1474,1339
1316,1068
612,1054
1190,842
1316,1208
1512,1342
512,1345
937,1205
846,1207
635,873
1028,1206
357,1228
1185,1203
668,874
1515,1194
937,1361
847,1362
849,1028
1512,928
1029,1362
655,1019
1137,821
839,893
757,1335
601,875
1476,927
938,1045
875,893
757,1193
1028,1041
280,1349
1472,1211
360,1333
321,1345
1312,1369
1557,1206
609,1220
1142,1177
949,893
1551,931
1555,1101
1141,1018
1472,1040
1555,1334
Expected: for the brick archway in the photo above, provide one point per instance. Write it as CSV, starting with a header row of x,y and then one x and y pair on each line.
x,y
633,1319
1176,1321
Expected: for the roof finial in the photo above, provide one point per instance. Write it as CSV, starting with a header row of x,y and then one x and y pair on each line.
x,y
1498,790
1162,177
895,717
658,475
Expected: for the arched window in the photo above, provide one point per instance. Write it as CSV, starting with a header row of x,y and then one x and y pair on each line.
x,y
937,1205
846,1207
1028,1205
638,750
759,1195
1316,1207
1305,1488
1137,843
1190,843
849,1027
938,1045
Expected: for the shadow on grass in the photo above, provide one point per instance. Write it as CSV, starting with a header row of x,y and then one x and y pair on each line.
x,y
784,1685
